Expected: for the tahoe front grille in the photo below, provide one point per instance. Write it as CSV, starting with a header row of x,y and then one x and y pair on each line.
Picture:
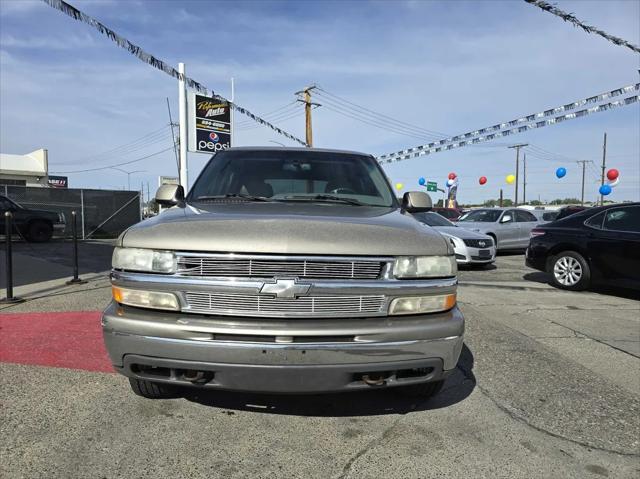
x,y
306,306
265,267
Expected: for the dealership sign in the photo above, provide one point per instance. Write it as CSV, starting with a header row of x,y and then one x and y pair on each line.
x,y
209,124
58,181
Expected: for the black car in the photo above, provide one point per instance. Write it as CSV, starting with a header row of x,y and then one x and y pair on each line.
x,y
569,210
31,224
598,245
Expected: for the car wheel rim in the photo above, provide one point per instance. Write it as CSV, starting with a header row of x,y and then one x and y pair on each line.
x,y
567,271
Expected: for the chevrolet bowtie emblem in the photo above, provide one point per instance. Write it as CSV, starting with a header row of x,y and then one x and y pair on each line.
x,y
285,288
481,244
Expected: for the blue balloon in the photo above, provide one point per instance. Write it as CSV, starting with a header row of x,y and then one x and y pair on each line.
x,y
560,172
605,190
422,181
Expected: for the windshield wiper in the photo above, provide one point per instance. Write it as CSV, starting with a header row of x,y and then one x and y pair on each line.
x,y
233,195
326,198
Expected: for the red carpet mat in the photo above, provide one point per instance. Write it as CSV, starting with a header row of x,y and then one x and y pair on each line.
x,y
70,340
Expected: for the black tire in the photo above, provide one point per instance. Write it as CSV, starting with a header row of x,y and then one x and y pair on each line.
x,y
569,270
39,231
152,390
422,390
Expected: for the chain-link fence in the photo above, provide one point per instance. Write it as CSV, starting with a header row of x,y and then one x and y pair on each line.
x,y
100,213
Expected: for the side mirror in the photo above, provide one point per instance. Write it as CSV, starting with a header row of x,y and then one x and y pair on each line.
x,y
416,202
170,195
506,219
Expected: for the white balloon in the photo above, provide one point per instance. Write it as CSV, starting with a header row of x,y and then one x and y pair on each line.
x,y
613,183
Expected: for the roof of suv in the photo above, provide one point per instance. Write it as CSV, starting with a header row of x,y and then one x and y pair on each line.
x,y
294,148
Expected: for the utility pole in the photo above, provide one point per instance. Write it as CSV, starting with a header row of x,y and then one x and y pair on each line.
x,y
604,163
231,110
584,164
517,147
308,104
173,135
500,198
182,112
524,179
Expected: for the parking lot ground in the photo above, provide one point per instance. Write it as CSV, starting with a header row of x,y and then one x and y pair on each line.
x,y
548,385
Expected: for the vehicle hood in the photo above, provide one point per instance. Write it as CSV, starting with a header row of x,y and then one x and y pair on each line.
x,y
286,228
479,226
462,233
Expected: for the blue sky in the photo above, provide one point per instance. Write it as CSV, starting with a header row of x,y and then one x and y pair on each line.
x,y
445,66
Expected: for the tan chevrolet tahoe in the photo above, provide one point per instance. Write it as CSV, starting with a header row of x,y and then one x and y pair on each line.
x,y
284,270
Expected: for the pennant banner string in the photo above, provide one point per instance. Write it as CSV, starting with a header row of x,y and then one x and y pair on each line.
x,y
571,18
520,125
146,57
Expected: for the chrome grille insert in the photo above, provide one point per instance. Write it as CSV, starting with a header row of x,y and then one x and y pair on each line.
x,y
213,265
305,306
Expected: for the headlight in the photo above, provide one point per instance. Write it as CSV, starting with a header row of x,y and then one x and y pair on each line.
x,y
145,299
148,260
61,218
425,266
422,304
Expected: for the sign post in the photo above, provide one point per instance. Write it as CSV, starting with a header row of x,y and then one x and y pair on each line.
x,y
210,125
182,111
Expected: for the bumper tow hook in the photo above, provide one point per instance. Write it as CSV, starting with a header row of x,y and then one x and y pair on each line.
x,y
372,380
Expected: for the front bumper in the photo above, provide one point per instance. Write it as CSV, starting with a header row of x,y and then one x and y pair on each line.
x,y
297,356
469,255
536,258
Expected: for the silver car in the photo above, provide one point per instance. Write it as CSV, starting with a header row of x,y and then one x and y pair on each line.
x,y
469,247
545,216
509,227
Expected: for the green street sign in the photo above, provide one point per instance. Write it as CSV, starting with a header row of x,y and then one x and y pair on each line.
x,y
432,186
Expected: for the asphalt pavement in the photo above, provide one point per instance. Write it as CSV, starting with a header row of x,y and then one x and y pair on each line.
x,y
548,385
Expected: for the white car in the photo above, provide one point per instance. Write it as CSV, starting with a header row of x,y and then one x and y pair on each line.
x,y
470,247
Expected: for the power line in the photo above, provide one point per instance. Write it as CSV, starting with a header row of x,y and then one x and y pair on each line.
x,y
273,112
570,17
371,122
148,139
149,59
286,113
376,115
288,117
117,164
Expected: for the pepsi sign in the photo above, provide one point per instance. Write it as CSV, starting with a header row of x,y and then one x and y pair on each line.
x,y
209,125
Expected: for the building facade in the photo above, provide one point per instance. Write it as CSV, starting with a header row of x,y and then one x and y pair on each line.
x,y
31,169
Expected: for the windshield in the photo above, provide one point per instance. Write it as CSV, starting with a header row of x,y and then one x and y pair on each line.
x,y
483,216
294,175
432,219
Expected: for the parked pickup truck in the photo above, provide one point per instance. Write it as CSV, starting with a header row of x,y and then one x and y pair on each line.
x,y
284,270
31,224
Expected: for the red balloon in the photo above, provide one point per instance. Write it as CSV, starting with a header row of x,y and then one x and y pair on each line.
x,y
482,180
612,174
452,176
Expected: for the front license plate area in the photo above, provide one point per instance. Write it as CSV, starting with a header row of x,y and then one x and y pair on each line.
x,y
485,253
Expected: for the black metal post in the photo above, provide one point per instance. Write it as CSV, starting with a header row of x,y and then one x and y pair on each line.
x,y
8,262
75,279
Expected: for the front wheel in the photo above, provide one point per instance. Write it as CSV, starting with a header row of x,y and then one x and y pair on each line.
x,y
153,390
39,232
569,270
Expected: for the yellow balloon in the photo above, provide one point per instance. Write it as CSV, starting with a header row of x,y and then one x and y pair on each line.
x,y
510,179
399,186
